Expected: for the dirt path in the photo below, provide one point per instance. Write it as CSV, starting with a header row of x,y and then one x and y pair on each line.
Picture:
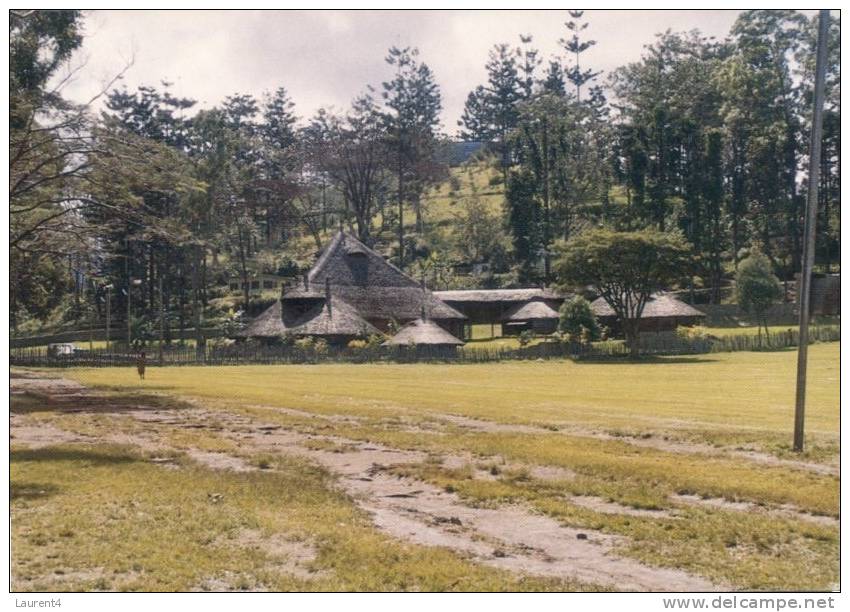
x,y
510,537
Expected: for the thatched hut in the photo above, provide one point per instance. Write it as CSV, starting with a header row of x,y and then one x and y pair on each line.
x,y
662,312
537,316
424,333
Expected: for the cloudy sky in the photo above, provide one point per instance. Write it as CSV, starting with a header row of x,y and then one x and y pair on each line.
x,y
325,58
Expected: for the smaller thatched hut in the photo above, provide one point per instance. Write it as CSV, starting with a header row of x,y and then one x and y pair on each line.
x,y
661,313
424,333
537,316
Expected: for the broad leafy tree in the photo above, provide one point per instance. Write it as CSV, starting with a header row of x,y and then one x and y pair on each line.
x,y
625,269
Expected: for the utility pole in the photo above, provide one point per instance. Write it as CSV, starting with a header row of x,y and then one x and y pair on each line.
x,y
809,231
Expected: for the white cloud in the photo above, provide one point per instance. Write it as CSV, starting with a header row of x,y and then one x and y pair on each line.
x,y
325,58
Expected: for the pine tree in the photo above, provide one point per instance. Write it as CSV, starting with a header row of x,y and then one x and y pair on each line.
x,y
576,46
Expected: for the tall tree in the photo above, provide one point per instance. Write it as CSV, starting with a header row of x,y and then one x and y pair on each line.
x,y
352,151
576,46
413,105
491,110
523,213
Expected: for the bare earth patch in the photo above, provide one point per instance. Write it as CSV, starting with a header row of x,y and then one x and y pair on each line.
x,y
39,436
220,461
287,556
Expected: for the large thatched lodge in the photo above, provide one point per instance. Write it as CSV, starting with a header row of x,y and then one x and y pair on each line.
x,y
352,292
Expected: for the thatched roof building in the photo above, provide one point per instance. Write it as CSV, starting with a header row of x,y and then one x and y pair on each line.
x,y
422,332
491,305
662,312
364,291
536,315
378,290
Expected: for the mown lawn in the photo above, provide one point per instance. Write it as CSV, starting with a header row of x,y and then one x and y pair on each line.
x,y
735,391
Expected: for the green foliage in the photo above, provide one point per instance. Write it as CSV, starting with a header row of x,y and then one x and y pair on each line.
x,y
625,269
524,223
577,320
478,233
304,344
693,333
526,337
320,346
757,287
40,42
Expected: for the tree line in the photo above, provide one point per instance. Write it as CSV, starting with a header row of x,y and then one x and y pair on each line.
x,y
159,202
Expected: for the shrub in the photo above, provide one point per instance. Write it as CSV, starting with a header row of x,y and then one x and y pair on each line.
x,y
374,341
757,287
526,337
320,346
697,332
304,344
578,321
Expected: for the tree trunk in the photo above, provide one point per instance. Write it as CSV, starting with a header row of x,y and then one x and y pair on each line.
x,y
400,217
243,267
546,199
630,330
197,306
417,209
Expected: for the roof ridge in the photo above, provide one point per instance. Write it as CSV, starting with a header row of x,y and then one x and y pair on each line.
x,y
325,255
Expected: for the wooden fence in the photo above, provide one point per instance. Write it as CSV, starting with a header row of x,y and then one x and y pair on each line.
x,y
255,354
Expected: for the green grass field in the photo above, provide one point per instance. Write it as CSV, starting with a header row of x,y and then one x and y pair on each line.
x,y
636,435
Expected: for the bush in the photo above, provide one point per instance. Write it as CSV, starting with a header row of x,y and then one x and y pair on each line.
x,y
697,332
526,337
757,287
320,347
374,341
304,344
578,321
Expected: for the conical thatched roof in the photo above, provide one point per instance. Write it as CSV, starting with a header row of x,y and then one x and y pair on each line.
x,y
657,306
421,332
370,284
533,310
338,319
266,325
334,319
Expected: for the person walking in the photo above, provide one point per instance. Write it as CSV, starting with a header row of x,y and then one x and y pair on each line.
x,y
140,365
